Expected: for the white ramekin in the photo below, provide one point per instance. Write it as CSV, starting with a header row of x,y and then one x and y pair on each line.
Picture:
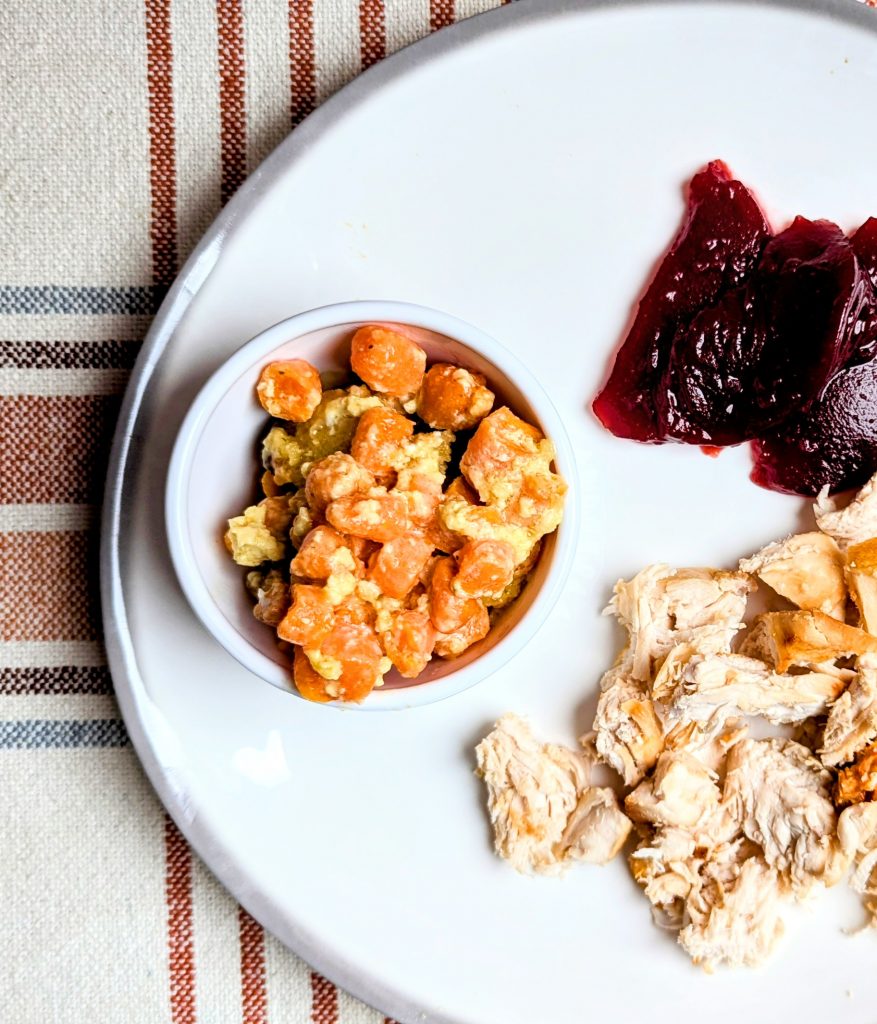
x,y
214,471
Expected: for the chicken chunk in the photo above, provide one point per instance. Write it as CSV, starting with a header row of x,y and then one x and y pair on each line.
x,y
674,864
739,924
806,569
861,578
662,607
855,523
543,811
709,741
857,834
680,792
781,794
732,684
852,721
597,828
666,865
807,639
629,734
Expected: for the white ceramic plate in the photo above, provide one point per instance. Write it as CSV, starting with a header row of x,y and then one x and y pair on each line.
x,y
521,171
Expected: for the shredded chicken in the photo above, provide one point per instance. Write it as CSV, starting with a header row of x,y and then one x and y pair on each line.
x,y
662,607
703,876
782,793
853,524
852,721
629,734
805,639
857,834
543,811
729,827
807,569
667,868
708,741
696,686
597,828
737,924
861,577
680,792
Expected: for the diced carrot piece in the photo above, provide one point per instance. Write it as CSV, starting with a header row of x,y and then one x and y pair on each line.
x,y
324,551
310,617
436,532
362,548
378,434
498,450
354,611
289,389
357,649
309,683
443,539
398,564
423,494
447,610
475,627
453,398
409,643
379,516
459,487
484,568
387,361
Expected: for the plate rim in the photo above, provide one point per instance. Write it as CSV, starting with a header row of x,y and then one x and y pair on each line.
x,y
121,656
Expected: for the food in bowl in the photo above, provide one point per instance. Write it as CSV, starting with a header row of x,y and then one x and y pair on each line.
x,y
399,515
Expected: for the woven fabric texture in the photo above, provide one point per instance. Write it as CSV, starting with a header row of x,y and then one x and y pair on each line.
x,y
125,126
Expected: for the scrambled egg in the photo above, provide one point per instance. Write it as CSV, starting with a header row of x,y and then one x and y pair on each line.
x,y
259,534
287,456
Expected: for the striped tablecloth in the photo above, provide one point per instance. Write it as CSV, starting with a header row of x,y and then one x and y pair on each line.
x,y
125,126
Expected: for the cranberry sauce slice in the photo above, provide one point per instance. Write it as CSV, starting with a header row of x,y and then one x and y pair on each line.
x,y
768,348
833,443
717,248
864,243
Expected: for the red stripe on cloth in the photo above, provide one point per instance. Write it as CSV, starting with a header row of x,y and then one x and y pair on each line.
x,y
232,82
254,993
180,938
162,155
302,74
441,13
49,590
372,32
324,1000
53,448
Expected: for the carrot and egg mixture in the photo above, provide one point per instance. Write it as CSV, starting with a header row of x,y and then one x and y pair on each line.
x,y
367,551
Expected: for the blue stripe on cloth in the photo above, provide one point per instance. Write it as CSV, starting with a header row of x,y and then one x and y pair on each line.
x,y
42,733
56,298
